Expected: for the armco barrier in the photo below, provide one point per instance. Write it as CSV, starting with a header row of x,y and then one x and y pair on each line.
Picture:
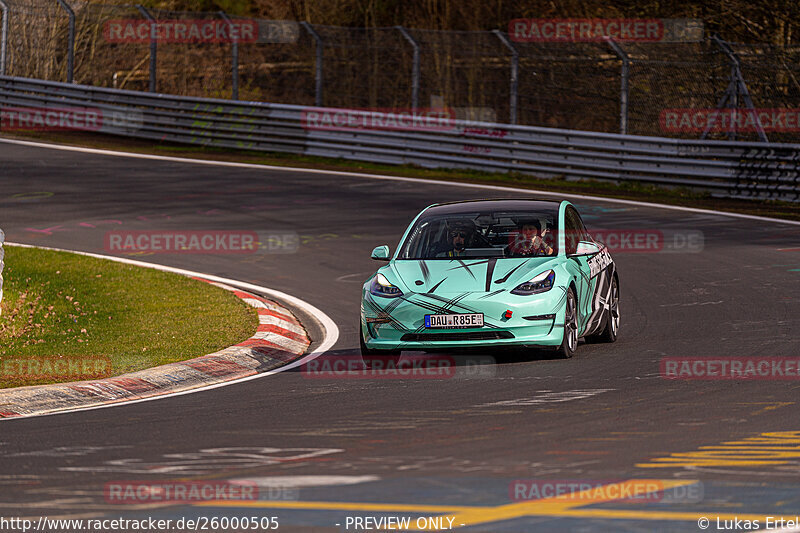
x,y
724,168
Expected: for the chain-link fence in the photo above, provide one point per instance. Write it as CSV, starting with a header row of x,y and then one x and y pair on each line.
x,y
600,86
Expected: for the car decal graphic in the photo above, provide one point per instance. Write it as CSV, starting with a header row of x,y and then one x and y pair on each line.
x,y
596,314
438,309
447,307
449,304
436,286
493,293
563,298
385,312
465,266
426,273
598,263
489,271
452,301
508,275
390,305
602,297
562,302
430,306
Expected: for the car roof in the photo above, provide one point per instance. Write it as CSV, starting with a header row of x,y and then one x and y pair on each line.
x,y
499,204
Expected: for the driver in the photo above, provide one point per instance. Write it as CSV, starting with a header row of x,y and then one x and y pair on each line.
x,y
458,234
529,240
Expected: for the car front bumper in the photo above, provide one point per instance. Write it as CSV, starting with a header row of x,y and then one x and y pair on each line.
x,y
536,320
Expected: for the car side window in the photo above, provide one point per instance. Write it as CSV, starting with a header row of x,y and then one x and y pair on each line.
x,y
581,227
571,230
575,230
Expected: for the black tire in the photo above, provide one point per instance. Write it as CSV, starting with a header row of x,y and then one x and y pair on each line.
x,y
376,358
570,342
611,329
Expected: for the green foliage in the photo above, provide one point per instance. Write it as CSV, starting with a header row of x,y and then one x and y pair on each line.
x,y
57,304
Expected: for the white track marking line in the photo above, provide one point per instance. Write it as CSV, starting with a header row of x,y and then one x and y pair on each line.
x,y
331,330
394,178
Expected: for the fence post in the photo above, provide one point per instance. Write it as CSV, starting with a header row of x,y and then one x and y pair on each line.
x,y
70,40
318,74
153,45
735,87
3,38
234,56
623,95
414,68
512,104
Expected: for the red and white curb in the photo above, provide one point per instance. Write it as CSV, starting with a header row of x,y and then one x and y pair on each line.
x,y
279,340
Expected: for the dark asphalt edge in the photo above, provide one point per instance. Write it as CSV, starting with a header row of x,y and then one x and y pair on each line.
x,y
378,176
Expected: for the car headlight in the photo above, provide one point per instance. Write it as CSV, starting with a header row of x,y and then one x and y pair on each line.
x,y
541,283
380,286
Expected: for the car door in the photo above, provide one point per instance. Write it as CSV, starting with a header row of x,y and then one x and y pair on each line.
x,y
599,268
575,232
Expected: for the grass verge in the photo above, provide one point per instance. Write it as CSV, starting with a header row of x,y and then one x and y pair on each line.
x,y
625,190
63,306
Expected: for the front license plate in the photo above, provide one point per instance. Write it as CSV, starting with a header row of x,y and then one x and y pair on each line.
x,y
465,320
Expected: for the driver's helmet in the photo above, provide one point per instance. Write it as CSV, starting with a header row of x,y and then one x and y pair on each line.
x,y
464,227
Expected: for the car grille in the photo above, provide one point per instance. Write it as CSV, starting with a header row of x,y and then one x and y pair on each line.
x,y
457,336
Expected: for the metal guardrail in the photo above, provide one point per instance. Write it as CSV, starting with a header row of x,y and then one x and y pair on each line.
x,y
723,168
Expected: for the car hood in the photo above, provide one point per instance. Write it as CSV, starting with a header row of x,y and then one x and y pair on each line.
x,y
454,276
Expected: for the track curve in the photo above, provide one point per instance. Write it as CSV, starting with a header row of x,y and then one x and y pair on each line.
x,y
453,442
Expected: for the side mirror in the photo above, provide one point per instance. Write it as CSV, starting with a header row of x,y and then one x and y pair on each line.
x,y
586,248
380,253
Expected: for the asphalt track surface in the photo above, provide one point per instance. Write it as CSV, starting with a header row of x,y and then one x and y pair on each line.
x,y
419,447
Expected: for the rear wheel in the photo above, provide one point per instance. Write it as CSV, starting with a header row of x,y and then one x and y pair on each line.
x,y
374,358
609,333
570,342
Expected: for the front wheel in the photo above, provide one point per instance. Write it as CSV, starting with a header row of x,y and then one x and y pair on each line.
x,y
570,342
374,358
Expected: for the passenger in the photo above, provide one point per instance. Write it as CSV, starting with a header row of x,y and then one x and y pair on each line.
x,y
529,241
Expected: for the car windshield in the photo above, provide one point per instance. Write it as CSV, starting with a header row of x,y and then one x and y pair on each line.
x,y
497,234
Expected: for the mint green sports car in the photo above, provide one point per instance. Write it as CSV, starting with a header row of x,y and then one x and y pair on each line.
x,y
488,273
